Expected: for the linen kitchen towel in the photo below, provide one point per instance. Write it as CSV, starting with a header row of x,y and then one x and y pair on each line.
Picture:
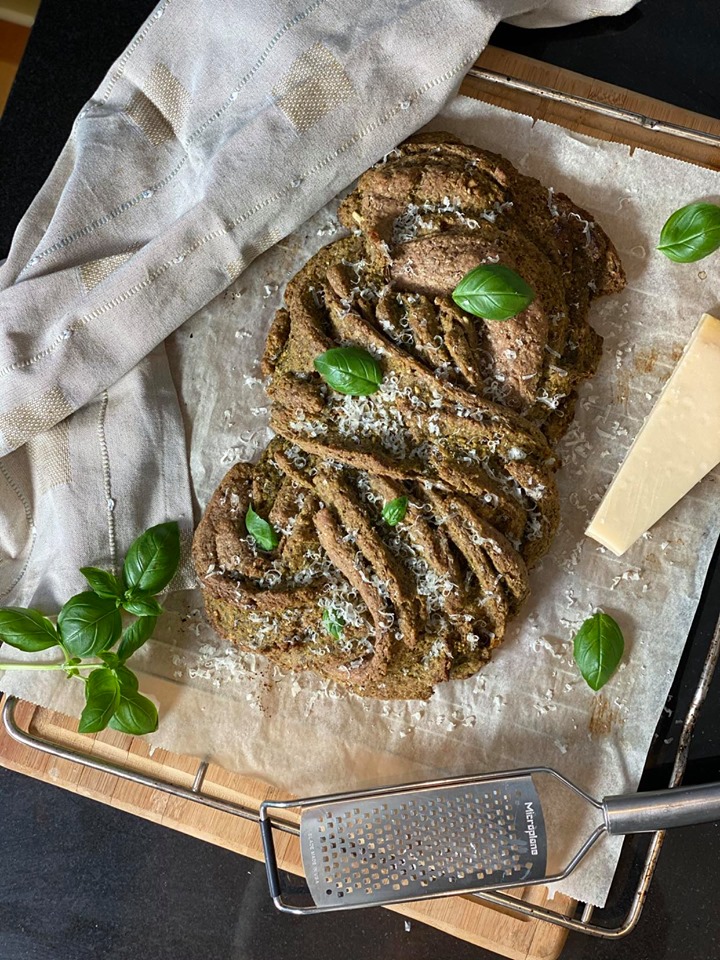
x,y
220,129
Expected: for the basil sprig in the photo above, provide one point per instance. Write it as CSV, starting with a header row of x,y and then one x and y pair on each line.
x,y
27,630
102,698
691,233
394,511
142,606
333,623
152,560
350,370
262,532
598,648
104,583
134,712
135,636
493,292
90,624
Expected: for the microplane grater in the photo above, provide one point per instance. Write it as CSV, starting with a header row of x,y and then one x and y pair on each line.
x,y
378,850
443,837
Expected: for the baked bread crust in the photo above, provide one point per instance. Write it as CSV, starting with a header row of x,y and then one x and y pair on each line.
x,y
462,425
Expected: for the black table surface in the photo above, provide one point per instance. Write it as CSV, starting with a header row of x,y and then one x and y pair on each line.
x,y
84,882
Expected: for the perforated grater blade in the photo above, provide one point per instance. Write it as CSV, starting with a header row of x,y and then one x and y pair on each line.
x,y
421,843
442,837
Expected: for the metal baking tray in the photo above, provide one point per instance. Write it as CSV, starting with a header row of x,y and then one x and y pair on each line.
x,y
670,751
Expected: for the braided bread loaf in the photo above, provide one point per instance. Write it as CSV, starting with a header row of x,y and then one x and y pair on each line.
x,y
461,426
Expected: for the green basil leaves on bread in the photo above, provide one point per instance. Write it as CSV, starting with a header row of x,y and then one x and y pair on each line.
x,y
350,370
492,291
262,532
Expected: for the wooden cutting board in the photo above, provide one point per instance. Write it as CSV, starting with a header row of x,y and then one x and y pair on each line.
x,y
497,930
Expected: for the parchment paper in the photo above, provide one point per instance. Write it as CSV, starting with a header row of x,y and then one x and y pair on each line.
x,y
529,706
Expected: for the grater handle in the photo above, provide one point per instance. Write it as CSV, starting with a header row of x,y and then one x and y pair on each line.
x,y
660,809
269,851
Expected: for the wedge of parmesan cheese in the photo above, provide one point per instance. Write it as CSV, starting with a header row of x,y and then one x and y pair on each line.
x,y
676,447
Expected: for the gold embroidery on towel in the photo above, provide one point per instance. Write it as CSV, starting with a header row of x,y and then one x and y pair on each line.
x,y
96,271
235,268
185,577
266,240
28,419
315,85
270,238
162,107
50,458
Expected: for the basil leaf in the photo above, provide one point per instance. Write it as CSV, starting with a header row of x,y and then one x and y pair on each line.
x,y
109,658
102,698
127,680
143,606
152,560
691,233
598,648
104,584
394,511
260,530
350,370
135,714
333,623
493,292
26,629
88,624
135,636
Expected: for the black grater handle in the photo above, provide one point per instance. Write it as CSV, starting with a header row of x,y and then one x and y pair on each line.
x,y
269,852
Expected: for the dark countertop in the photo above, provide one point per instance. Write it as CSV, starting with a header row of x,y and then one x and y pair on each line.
x,y
85,882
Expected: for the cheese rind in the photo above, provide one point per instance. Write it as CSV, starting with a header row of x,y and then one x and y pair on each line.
x,y
676,447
